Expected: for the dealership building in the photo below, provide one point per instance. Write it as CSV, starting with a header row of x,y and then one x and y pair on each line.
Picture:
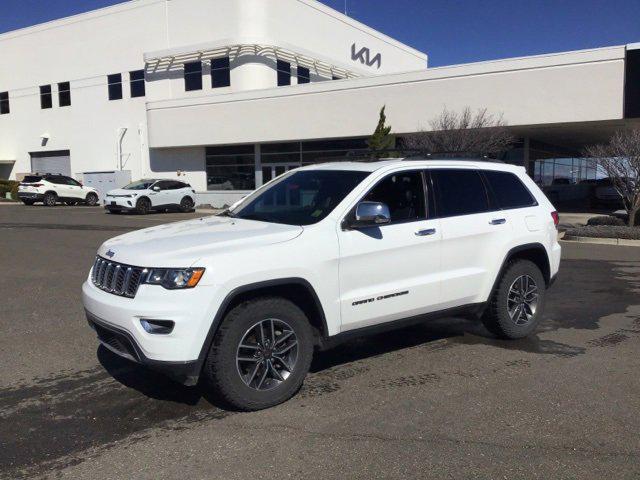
x,y
227,94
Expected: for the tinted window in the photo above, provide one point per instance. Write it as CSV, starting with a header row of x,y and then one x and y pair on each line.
x,y
4,103
115,86
136,83
459,192
300,198
64,94
139,185
164,185
508,190
193,76
31,179
220,72
303,75
57,179
403,193
45,97
284,73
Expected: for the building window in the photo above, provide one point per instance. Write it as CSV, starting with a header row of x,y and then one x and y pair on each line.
x,y
115,86
303,75
220,72
4,103
45,97
136,83
284,73
193,76
64,94
231,167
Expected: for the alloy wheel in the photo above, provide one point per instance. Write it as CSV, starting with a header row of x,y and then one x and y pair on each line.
x,y
267,354
522,300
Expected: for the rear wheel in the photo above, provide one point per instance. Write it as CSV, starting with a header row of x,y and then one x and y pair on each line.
x,y
260,354
516,306
186,204
50,199
143,206
92,199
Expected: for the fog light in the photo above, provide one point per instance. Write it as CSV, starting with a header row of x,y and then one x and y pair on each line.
x,y
161,327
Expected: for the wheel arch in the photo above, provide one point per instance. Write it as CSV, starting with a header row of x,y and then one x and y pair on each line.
x,y
298,290
534,252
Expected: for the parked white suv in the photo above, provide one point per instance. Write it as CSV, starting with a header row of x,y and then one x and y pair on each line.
x,y
318,254
146,195
51,189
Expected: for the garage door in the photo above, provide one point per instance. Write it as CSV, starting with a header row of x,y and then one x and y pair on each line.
x,y
51,162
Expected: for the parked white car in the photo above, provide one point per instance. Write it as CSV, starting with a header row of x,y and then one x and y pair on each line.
x,y
319,254
51,189
146,195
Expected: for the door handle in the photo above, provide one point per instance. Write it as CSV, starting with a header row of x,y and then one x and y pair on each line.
x,y
498,221
424,233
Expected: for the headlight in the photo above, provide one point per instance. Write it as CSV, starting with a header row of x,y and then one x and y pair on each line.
x,y
174,278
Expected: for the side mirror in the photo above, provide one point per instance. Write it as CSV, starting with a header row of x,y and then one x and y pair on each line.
x,y
371,214
156,189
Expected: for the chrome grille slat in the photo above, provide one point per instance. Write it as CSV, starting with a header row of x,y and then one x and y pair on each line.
x,y
116,278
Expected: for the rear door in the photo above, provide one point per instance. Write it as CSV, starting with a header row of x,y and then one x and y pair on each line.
x,y
391,271
473,232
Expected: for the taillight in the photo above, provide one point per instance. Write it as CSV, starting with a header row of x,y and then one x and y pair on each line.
x,y
556,218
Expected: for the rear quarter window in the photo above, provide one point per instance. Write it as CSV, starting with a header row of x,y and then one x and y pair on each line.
x,y
508,190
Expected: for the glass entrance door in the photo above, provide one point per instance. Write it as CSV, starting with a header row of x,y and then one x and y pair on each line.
x,y
273,170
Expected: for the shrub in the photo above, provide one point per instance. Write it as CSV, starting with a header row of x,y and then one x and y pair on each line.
x,y
606,220
9,186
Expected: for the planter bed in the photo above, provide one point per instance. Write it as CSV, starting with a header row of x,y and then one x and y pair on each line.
x,y
605,231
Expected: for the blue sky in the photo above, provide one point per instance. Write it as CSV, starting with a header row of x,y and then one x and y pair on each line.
x,y
450,31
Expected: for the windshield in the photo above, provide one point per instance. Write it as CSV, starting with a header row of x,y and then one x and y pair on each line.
x,y
301,198
140,185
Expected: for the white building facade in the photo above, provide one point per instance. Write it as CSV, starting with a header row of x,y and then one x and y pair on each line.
x,y
227,94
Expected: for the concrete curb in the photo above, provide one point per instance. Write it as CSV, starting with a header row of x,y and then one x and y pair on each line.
x,y
603,241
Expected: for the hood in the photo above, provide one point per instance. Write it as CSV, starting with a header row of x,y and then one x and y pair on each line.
x,y
181,244
122,191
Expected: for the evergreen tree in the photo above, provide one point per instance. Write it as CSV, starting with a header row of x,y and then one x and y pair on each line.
x,y
382,141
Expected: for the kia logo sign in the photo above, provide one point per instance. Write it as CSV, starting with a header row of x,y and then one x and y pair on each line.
x,y
364,55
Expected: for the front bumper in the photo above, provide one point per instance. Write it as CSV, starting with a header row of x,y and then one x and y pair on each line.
x,y
179,353
119,203
122,343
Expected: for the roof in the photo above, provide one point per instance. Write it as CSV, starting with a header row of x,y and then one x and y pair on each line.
x,y
413,162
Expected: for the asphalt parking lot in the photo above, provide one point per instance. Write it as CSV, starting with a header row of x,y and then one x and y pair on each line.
x,y
441,400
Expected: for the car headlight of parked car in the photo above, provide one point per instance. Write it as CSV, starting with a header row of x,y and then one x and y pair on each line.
x,y
174,278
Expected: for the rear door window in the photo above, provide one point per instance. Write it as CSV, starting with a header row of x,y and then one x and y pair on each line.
x,y
508,190
459,192
31,179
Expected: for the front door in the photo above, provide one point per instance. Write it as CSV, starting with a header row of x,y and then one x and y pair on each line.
x,y
391,271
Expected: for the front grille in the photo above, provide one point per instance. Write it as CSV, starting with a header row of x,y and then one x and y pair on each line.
x,y
116,278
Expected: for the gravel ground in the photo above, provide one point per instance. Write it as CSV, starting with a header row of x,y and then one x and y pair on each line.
x,y
605,231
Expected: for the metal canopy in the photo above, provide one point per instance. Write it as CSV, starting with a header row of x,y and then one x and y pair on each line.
x,y
173,59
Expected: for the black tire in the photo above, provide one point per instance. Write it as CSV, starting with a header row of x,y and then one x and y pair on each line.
x,y
186,205
222,369
143,206
28,202
497,318
50,199
91,199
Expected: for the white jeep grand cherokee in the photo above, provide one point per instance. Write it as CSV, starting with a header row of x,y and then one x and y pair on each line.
x,y
320,253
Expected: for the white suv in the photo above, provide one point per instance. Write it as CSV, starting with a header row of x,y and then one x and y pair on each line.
x,y
146,195
51,189
318,254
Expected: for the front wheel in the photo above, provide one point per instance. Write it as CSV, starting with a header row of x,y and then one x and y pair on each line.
x,y
516,305
143,206
260,354
92,199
